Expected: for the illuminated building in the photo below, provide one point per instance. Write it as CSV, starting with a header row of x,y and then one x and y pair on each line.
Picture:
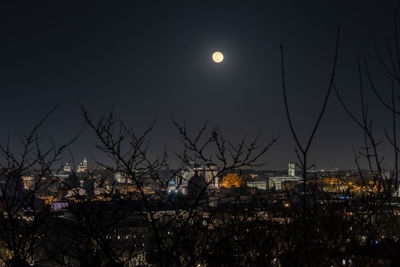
x,y
83,166
292,169
257,183
231,180
29,182
276,182
122,178
67,167
209,172
76,193
119,177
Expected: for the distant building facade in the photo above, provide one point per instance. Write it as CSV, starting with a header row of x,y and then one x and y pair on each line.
x,y
181,182
277,182
67,167
261,184
83,166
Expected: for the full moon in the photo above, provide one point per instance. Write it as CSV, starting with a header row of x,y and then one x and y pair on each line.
x,y
218,57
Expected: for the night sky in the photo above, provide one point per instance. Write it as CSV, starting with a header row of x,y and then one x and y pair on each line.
x,y
149,58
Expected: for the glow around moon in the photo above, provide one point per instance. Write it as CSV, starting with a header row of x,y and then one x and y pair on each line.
x,y
217,57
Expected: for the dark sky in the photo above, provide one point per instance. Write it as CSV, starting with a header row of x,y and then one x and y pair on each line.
x,y
148,58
